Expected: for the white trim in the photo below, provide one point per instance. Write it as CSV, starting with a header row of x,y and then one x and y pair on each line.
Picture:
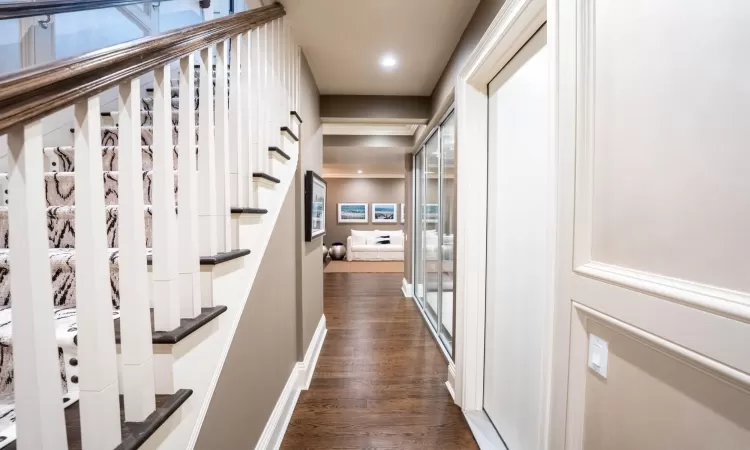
x,y
724,302
299,380
700,362
513,26
307,366
363,175
451,380
406,288
483,430
276,426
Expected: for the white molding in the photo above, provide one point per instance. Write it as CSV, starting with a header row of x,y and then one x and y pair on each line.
x,y
299,380
275,428
407,288
513,26
307,366
696,360
363,175
724,302
451,380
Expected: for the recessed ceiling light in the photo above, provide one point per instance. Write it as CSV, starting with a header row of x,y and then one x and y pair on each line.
x,y
359,171
388,61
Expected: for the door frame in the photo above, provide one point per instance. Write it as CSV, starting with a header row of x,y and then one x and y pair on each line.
x,y
516,22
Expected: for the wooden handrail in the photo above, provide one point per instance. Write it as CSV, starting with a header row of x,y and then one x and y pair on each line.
x,y
39,91
17,10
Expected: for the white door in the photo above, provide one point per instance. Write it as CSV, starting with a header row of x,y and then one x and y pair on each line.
x,y
518,304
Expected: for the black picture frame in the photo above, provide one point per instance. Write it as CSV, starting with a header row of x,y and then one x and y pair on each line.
x,y
310,180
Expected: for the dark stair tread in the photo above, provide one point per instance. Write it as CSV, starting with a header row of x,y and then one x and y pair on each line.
x,y
294,113
134,434
266,176
186,328
214,259
289,131
280,152
240,210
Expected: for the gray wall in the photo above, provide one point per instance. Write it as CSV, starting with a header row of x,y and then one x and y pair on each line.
x,y
364,190
482,18
264,350
387,107
310,287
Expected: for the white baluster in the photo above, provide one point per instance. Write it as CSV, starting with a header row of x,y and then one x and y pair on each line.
x,y
222,149
187,193
273,112
238,167
247,117
135,316
297,72
99,391
206,157
279,58
287,70
165,269
38,395
257,95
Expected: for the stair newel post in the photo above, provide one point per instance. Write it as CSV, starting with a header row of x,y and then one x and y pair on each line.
x,y
165,269
206,157
36,368
135,317
98,386
247,117
222,148
237,166
258,96
187,193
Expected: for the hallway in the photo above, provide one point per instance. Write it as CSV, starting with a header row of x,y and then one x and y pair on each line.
x,y
380,377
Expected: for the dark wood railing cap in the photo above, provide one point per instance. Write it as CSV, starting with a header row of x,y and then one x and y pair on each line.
x,y
36,92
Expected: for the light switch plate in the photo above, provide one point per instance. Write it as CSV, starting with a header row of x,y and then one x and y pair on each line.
x,y
598,354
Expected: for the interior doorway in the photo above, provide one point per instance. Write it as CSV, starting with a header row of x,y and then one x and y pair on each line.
x,y
518,217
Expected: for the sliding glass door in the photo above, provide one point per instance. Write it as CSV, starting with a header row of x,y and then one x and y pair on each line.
x,y
448,227
434,225
418,259
431,222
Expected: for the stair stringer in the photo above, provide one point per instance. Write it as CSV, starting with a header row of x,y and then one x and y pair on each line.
x,y
197,362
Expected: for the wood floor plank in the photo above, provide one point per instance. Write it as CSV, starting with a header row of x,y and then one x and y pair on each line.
x,y
380,378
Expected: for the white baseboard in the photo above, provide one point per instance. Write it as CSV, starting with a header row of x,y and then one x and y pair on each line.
x,y
299,380
451,380
306,368
406,288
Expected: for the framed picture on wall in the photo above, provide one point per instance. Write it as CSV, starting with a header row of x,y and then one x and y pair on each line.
x,y
315,206
431,212
353,213
403,213
384,213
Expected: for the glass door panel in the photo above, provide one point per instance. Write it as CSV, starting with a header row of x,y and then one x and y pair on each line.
x,y
448,224
431,228
418,259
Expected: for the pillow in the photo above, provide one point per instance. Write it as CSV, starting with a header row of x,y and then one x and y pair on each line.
x,y
358,240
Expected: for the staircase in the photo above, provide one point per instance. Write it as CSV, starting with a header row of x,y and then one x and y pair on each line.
x,y
126,259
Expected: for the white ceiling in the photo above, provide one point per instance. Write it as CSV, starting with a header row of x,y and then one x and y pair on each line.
x,y
344,40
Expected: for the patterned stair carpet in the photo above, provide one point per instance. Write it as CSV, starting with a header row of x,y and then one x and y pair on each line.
x,y
60,197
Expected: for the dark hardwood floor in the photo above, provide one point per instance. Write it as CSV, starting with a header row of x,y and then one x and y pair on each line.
x,y
380,378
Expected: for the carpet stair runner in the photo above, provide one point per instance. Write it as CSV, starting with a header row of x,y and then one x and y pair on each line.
x,y
60,197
